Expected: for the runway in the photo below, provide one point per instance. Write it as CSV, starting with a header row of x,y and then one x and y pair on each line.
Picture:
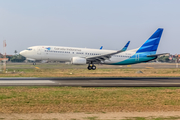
x,y
93,82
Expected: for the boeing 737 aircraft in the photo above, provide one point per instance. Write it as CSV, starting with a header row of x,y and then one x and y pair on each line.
x,y
79,56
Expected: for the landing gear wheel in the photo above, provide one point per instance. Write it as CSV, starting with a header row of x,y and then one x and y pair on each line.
x,y
89,67
34,63
93,67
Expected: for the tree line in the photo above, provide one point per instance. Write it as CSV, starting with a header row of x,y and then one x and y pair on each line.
x,y
16,57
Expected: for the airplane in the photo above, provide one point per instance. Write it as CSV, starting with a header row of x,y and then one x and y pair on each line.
x,y
80,56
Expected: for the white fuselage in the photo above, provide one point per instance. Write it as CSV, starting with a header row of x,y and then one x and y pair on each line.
x,y
58,53
146,52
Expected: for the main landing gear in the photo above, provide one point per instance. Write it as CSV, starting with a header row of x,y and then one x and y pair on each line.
x,y
91,67
34,63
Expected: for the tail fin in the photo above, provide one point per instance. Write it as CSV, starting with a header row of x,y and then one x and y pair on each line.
x,y
152,43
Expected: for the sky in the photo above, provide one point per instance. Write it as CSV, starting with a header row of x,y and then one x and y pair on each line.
x,y
88,23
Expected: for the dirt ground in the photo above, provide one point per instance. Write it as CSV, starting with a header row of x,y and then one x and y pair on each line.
x,y
86,116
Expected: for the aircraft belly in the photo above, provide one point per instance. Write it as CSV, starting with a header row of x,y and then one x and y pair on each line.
x,y
65,58
114,60
133,61
57,57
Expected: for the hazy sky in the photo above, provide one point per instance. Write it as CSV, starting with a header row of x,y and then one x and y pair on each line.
x,y
89,23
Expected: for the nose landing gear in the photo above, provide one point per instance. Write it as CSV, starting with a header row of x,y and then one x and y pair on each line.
x,y
91,67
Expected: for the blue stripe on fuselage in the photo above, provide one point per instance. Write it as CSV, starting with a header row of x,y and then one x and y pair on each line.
x,y
136,58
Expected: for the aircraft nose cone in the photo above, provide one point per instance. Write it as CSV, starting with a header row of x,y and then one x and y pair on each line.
x,y
22,53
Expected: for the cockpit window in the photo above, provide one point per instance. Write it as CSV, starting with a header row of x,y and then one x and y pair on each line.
x,y
29,49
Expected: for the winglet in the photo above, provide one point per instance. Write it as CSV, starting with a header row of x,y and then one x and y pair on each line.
x,y
126,46
101,47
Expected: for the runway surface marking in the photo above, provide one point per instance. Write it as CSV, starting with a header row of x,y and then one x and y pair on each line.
x,y
25,81
92,82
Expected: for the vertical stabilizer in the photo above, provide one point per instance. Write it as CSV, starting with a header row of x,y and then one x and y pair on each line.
x,y
152,43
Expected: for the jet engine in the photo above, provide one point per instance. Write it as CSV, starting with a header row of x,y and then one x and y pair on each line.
x,y
78,61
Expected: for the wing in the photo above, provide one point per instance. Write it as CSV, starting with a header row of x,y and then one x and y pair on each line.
x,y
106,56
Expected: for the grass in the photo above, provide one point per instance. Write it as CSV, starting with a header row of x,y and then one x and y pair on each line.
x,y
89,100
125,72
62,70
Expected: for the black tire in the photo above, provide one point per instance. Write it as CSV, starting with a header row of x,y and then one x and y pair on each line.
x,y
89,67
34,63
93,67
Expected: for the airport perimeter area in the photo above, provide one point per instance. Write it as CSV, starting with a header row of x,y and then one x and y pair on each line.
x,y
90,103
63,70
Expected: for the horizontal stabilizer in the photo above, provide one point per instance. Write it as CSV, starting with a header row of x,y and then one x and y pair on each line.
x,y
156,55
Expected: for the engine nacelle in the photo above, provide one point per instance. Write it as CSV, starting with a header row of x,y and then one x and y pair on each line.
x,y
78,61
